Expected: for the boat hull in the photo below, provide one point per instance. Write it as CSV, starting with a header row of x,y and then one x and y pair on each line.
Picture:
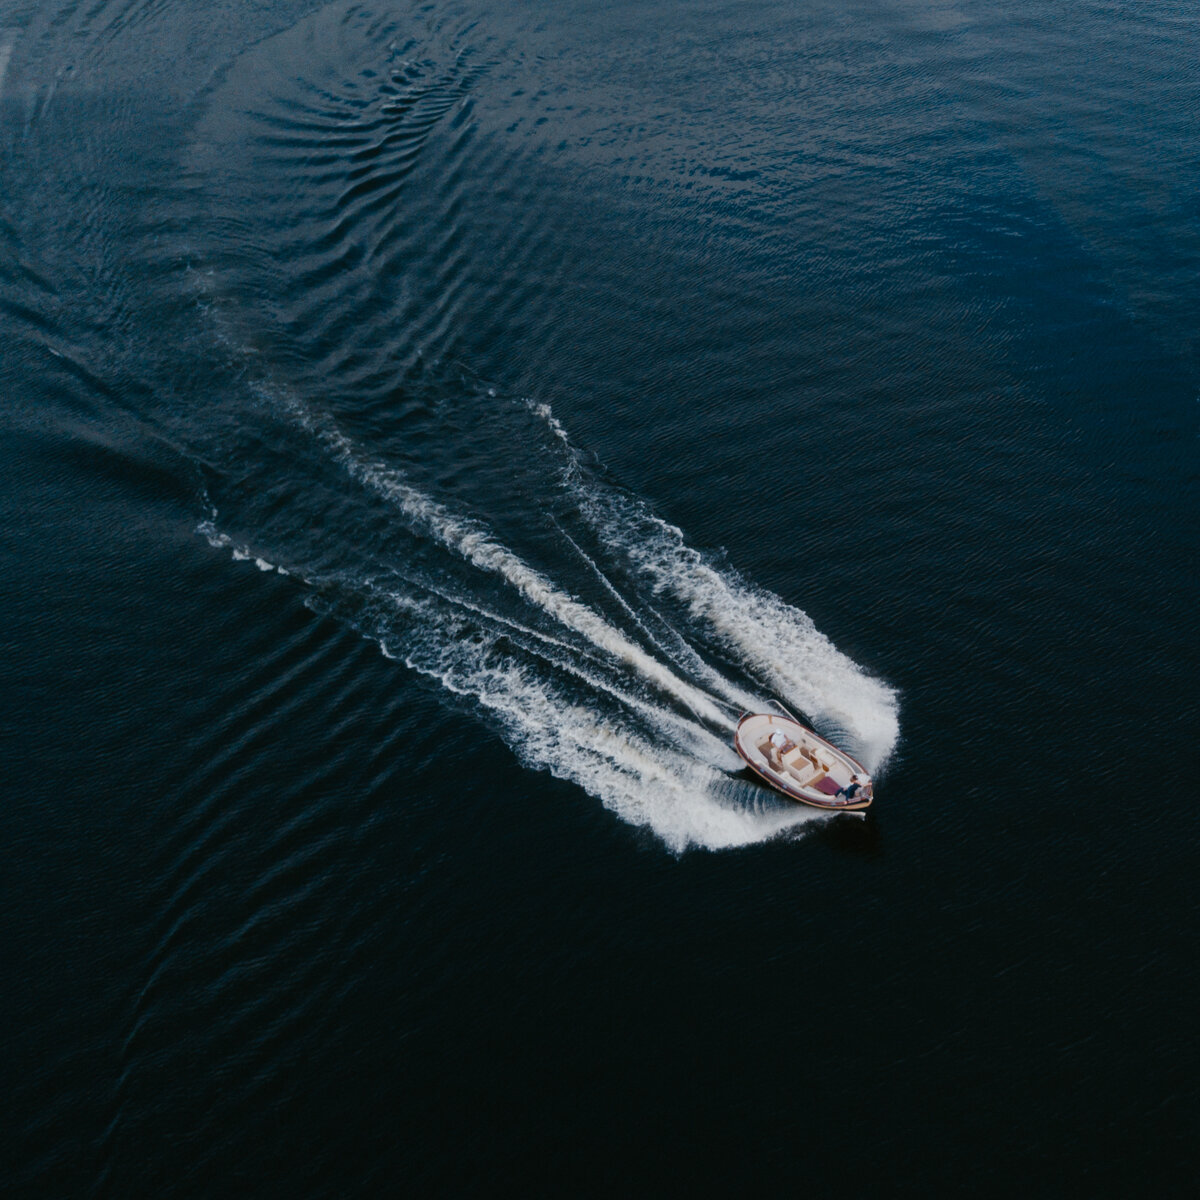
x,y
818,789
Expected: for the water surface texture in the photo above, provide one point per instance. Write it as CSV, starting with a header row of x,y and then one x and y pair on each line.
x,y
427,427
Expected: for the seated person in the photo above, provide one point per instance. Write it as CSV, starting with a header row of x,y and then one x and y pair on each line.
x,y
777,745
856,789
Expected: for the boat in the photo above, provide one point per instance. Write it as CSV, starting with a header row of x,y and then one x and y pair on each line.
x,y
805,767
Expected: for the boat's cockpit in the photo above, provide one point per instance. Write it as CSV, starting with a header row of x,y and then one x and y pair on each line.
x,y
796,762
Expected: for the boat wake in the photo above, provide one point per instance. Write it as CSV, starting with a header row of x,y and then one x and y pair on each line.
x,y
387,190
632,695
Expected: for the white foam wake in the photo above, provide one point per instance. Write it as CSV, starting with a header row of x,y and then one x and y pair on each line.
x,y
474,543
653,784
674,783
775,640
639,726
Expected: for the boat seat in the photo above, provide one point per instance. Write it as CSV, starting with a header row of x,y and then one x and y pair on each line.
x,y
786,757
803,772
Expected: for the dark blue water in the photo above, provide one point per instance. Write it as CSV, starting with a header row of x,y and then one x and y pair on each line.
x,y
426,427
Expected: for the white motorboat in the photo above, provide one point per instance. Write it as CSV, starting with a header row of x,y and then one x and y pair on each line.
x,y
801,764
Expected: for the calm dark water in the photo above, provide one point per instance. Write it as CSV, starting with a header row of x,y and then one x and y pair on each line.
x,y
427,426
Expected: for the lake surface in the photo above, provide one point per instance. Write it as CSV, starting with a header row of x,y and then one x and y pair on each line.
x,y
427,426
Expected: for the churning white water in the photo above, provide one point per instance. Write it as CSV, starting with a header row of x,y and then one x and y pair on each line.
x,y
636,716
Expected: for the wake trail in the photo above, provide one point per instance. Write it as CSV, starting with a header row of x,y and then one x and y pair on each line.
x,y
675,782
703,743
776,642
743,700
473,542
572,698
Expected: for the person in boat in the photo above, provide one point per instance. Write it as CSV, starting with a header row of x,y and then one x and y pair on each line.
x,y
777,745
855,789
